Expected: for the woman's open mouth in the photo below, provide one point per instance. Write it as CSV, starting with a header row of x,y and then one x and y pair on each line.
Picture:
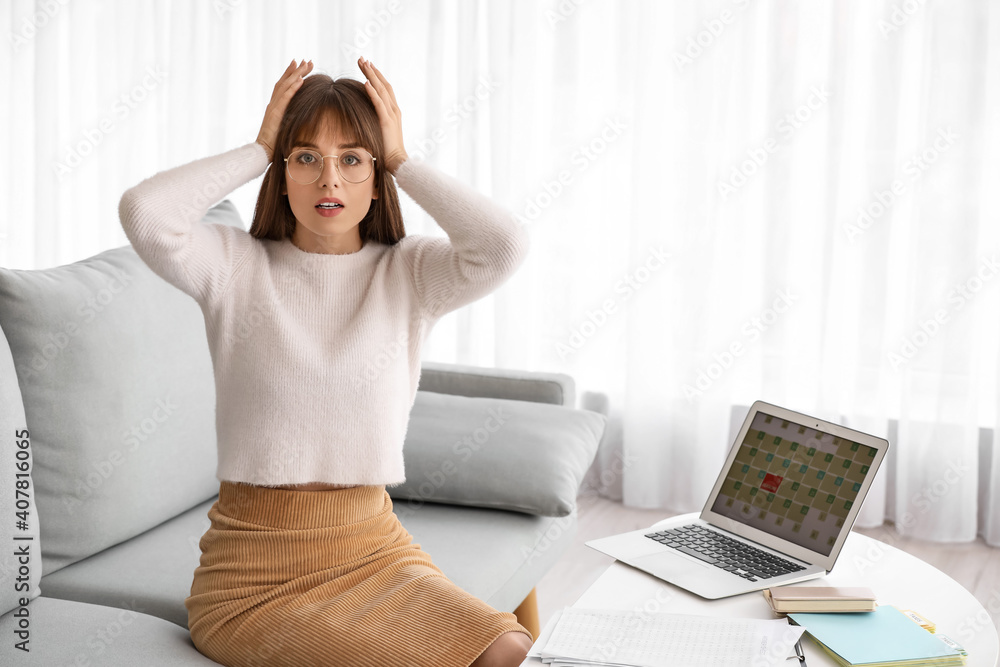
x,y
329,209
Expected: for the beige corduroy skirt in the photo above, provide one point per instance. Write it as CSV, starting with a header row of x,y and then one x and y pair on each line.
x,y
328,578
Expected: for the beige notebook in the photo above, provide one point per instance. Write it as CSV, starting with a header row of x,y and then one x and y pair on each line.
x,y
784,599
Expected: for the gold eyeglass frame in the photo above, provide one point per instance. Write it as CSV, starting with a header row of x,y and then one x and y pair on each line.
x,y
322,166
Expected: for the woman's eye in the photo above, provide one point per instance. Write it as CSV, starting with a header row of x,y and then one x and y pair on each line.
x,y
351,159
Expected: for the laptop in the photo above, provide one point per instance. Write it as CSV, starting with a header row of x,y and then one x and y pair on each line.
x,y
780,511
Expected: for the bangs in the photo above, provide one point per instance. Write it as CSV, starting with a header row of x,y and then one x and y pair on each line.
x,y
330,120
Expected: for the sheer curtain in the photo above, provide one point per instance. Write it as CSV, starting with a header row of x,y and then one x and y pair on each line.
x,y
727,200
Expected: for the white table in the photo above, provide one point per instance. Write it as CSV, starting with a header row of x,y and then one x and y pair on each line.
x,y
896,577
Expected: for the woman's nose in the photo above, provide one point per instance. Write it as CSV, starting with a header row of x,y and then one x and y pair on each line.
x,y
330,175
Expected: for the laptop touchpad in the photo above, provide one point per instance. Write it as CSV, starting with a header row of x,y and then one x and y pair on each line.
x,y
669,565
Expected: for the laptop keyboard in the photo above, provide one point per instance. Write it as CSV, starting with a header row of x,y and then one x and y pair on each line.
x,y
724,552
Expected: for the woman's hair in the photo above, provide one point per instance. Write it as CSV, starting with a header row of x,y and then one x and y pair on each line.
x,y
342,105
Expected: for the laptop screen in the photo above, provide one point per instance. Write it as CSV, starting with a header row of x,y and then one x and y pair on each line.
x,y
794,482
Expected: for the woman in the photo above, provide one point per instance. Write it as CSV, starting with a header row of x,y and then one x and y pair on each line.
x,y
315,320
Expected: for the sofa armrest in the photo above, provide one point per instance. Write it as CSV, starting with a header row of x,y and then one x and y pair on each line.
x,y
485,382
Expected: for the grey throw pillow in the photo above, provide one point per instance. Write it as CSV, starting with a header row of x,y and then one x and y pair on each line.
x,y
499,453
119,395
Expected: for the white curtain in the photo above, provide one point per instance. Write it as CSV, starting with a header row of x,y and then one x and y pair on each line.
x,y
727,200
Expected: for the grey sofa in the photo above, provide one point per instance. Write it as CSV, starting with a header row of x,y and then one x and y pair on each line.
x,y
108,459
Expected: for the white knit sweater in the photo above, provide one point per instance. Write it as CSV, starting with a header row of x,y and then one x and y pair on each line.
x,y
316,356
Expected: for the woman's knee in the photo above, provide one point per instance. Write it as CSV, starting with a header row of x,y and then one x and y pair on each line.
x,y
508,650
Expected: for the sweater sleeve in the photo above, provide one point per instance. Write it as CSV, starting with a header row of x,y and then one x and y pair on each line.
x,y
486,244
162,218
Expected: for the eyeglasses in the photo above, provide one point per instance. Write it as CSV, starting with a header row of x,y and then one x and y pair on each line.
x,y
354,165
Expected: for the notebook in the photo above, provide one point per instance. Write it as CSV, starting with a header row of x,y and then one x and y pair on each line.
x,y
786,599
884,636
780,511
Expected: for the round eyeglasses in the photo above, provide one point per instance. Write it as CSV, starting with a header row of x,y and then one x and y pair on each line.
x,y
354,165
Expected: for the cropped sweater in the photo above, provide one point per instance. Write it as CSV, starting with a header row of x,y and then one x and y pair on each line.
x,y
316,357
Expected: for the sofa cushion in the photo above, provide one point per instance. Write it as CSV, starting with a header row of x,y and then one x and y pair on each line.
x,y
498,453
76,633
512,383
496,555
119,394
21,555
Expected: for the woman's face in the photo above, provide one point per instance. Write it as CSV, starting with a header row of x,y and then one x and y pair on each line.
x,y
328,231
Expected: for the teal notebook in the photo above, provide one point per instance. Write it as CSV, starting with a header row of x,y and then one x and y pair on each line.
x,y
883,635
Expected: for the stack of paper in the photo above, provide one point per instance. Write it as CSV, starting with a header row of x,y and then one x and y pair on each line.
x,y
885,637
622,638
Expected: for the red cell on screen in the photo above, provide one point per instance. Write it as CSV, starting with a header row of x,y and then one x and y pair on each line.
x,y
771,483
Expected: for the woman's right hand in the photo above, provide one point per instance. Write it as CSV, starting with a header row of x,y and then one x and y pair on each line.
x,y
284,90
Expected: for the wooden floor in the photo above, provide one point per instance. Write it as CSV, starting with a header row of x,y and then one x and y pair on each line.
x,y
976,565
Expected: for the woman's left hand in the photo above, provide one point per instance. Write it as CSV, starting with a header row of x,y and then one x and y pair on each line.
x,y
389,116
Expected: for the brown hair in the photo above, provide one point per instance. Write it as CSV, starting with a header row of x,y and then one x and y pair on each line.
x,y
341,105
